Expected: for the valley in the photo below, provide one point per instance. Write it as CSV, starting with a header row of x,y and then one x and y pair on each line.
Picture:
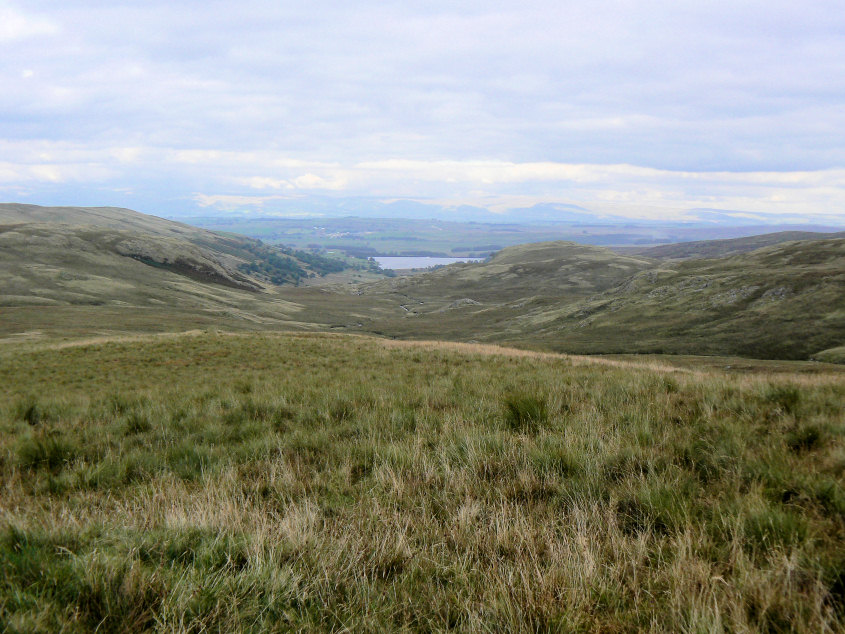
x,y
562,437
396,236
783,300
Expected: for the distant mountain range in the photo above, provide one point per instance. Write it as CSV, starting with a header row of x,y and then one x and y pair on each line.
x,y
421,209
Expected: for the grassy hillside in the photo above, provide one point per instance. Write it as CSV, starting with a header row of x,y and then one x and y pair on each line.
x,y
226,259
784,301
514,273
104,217
135,273
107,253
725,248
243,481
66,278
281,482
85,270
832,355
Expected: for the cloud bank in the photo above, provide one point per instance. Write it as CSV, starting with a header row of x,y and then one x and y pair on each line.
x,y
646,108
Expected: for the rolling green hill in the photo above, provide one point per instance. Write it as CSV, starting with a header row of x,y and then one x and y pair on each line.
x,y
831,355
111,270
72,268
784,301
227,259
559,268
103,217
78,280
724,248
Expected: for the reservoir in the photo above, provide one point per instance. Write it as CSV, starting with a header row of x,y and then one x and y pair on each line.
x,y
387,262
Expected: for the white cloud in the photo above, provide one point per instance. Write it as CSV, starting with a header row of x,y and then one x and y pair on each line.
x,y
265,182
50,173
652,103
229,178
226,202
16,25
312,181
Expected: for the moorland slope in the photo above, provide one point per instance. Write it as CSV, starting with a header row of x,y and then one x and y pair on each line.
x,y
108,270
782,301
259,482
116,269
514,274
724,248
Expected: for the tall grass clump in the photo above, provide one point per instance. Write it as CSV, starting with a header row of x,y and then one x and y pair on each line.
x,y
787,398
30,411
45,450
526,412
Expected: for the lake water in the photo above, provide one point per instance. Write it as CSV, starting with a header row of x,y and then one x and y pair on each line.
x,y
417,263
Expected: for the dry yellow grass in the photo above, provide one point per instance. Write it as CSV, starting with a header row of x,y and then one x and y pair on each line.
x,y
230,482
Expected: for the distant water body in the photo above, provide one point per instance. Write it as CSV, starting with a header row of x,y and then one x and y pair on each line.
x,y
417,263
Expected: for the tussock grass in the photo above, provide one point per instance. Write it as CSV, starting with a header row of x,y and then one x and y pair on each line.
x,y
526,412
312,482
44,451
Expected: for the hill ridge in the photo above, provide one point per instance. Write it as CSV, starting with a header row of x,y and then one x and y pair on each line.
x,y
782,300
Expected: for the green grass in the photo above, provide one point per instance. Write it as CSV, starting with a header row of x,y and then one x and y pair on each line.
x,y
112,271
779,302
832,355
525,412
218,482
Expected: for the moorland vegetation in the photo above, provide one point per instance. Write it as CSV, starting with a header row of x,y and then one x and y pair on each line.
x,y
781,301
184,447
220,482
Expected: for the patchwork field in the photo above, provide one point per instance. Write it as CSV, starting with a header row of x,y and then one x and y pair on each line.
x,y
234,482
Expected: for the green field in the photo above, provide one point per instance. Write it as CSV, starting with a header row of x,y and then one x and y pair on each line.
x,y
223,482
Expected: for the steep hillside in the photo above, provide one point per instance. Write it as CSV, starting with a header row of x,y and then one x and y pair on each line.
x,y
141,272
228,259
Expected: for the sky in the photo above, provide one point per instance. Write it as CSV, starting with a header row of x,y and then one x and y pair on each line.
x,y
637,108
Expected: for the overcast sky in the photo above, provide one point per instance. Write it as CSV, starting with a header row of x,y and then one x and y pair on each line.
x,y
633,107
